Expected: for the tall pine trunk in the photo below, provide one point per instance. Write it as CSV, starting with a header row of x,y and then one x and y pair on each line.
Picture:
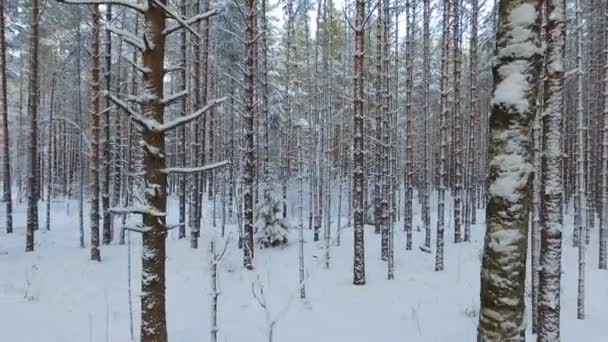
x,y
359,149
551,183
34,170
503,274
8,197
95,118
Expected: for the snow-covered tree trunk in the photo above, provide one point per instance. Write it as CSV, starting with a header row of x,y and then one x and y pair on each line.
x,y
50,154
248,117
443,113
182,130
95,139
410,7
106,175
457,140
516,68
80,137
34,171
7,193
603,254
299,131
471,175
551,182
579,224
427,151
358,147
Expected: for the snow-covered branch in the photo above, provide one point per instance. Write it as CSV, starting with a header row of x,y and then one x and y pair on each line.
x,y
126,3
173,98
137,66
177,17
182,120
138,228
127,37
138,210
172,68
196,169
134,116
190,21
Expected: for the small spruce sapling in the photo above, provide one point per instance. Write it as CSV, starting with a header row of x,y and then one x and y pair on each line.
x,y
270,227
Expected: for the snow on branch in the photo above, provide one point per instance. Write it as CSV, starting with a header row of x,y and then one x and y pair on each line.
x,y
126,3
138,210
172,68
127,37
173,98
196,169
138,228
177,17
190,21
185,119
134,116
137,66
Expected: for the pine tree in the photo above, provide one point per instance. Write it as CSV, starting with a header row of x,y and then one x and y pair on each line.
x,y
248,116
504,260
95,119
7,191
552,189
34,171
358,146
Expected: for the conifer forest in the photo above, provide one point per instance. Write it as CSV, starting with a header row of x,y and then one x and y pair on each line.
x,y
303,170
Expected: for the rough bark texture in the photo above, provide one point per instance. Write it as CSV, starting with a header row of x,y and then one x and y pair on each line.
x,y
95,113
358,157
445,46
153,317
248,121
504,260
105,191
551,187
34,170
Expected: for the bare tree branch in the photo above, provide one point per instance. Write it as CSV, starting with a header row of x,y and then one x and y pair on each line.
x,y
141,8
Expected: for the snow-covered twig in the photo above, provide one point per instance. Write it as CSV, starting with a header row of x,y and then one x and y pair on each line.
x,y
177,17
185,119
137,228
172,68
196,169
175,97
134,116
137,66
127,37
191,21
138,210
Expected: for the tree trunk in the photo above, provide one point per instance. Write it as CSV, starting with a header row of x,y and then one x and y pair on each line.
x,y
248,117
358,145
551,184
95,118
8,197
504,259
33,177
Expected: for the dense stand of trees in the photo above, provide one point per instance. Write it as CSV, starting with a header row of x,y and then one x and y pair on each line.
x,y
215,99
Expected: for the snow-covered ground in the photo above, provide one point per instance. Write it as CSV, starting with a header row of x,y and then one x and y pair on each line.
x,y
56,294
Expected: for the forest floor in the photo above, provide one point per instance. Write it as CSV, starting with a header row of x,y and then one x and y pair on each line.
x,y
56,294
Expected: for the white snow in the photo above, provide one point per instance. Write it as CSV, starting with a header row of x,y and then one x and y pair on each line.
x,y
56,294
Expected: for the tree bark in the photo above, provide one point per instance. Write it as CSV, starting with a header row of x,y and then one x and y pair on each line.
x,y
504,259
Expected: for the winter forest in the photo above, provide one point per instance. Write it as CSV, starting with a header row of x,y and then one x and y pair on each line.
x,y
304,170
